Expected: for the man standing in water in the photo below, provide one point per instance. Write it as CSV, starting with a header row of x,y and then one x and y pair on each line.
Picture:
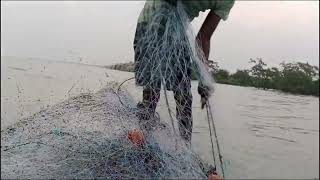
x,y
151,90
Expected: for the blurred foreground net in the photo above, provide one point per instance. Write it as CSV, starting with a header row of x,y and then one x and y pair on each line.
x,y
86,137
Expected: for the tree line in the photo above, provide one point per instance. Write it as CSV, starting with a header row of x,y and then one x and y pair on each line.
x,y
296,77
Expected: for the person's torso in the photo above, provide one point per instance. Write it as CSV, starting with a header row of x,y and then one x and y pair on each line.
x,y
192,8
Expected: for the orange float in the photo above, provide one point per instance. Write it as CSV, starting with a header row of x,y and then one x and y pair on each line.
x,y
136,137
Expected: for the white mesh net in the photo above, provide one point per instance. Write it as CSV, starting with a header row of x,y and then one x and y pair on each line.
x,y
166,53
86,137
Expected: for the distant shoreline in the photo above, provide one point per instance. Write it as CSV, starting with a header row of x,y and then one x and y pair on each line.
x,y
128,67
242,78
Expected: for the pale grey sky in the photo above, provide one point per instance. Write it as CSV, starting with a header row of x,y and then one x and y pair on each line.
x,y
102,32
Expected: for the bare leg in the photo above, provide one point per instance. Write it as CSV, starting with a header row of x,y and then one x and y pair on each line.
x,y
183,99
150,98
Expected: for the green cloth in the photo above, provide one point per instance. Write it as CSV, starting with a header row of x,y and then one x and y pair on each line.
x,y
192,7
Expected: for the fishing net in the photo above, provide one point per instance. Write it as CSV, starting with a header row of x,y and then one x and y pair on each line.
x,y
166,53
87,136
166,49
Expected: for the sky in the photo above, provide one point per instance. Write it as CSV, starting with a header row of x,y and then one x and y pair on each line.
x,y
102,32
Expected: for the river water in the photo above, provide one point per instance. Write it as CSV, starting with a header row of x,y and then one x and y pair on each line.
x,y
262,134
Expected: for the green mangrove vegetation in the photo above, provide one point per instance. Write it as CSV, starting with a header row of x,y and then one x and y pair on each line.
x,y
292,77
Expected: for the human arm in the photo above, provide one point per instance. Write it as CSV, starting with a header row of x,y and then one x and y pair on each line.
x,y
207,29
203,38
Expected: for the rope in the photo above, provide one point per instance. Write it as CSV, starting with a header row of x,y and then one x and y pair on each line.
x,y
169,110
122,103
210,132
118,90
209,114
